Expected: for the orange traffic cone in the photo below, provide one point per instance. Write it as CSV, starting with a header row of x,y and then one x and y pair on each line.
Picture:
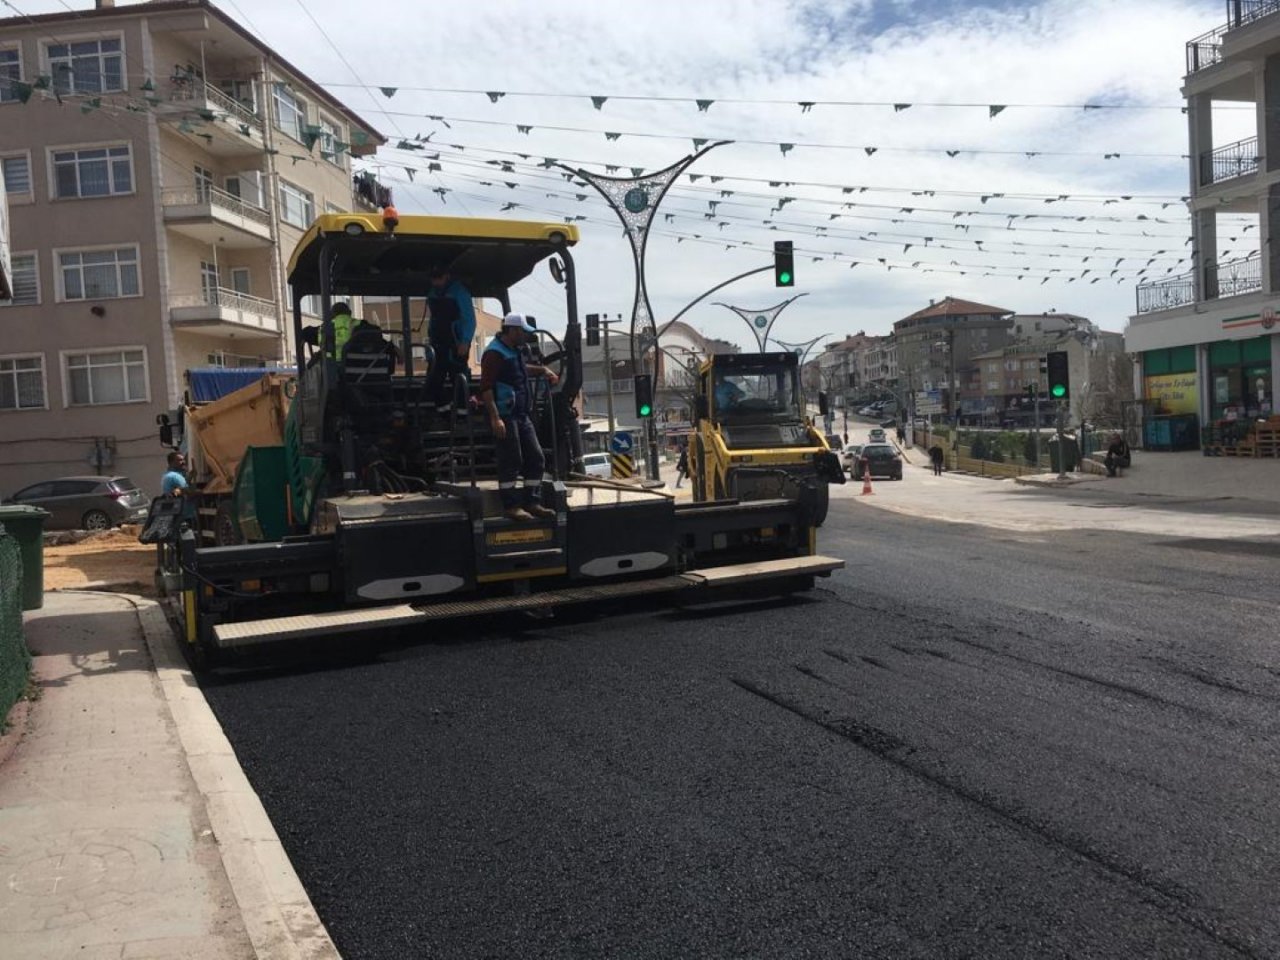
x,y
866,484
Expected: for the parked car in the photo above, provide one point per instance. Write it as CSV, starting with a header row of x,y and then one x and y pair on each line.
x,y
89,503
849,456
882,461
597,465
877,435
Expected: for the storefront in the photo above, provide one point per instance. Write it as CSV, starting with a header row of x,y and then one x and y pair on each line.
x,y
1240,379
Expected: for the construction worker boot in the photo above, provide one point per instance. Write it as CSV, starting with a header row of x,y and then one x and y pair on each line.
x,y
517,513
538,510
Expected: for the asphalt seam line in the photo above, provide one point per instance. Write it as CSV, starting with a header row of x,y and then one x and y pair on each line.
x,y
281,921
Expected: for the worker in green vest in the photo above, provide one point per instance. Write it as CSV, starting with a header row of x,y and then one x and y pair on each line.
x,y
343,324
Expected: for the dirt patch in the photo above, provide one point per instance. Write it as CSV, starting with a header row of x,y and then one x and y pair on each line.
x,y
112,556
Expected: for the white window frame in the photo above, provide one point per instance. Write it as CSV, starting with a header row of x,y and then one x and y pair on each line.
x,y
65,355
44,381
281,93
330,134
29,193
60,280
35,261
77,148
9,89
331,207
305,196
47,61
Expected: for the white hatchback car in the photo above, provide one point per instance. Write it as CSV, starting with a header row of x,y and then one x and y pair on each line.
x,y
597,465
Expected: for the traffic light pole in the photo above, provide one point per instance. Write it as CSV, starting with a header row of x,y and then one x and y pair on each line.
x,y
1035,433
608,377
1062,446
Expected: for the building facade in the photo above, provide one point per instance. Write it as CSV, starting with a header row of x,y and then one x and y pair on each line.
x,y
1206,343
161,165
937,347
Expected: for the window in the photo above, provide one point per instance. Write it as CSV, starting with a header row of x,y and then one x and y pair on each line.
x,y
22,383
209,281
92,172
87,66
26,280
296,205
291,112
17,174
240,280
330,134
109,376
10,74
311,305
99,274
204,182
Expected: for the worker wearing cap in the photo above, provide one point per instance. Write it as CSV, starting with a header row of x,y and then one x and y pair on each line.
x,y
450,331
505,390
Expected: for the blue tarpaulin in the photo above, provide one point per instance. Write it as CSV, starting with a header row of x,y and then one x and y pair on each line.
x,y
212,383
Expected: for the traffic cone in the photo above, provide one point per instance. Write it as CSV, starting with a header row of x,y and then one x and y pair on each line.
x,y
866,484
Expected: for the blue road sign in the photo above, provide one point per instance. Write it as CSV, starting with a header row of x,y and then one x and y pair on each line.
x,y
622,443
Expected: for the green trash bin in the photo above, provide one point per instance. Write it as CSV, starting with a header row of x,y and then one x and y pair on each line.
x,y
26,525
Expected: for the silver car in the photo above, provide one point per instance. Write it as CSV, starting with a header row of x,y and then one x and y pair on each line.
x,y
88,503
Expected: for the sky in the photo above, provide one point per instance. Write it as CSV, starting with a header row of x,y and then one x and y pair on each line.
x,y
877,135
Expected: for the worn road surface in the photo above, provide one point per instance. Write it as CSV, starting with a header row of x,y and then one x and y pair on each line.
x,y
972,742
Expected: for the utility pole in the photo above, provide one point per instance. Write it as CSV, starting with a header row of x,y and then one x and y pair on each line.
x,y
608,373
1036,432
1062,446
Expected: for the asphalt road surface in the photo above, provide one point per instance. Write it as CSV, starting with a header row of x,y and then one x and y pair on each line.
x,y
969,743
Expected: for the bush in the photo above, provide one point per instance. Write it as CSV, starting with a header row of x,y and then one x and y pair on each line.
x,y
979,448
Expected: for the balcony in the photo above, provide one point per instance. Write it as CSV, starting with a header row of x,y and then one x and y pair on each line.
x,y
1232,279
1206,50
1239,159
210,118
219,312
216,218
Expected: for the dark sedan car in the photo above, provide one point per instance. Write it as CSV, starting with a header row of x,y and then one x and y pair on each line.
x,y
881,459
89,503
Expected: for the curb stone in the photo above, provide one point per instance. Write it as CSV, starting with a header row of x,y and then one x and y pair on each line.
x,y
278,915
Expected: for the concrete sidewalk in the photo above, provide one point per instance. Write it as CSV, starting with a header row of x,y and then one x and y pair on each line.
x,y
1187,474
127,829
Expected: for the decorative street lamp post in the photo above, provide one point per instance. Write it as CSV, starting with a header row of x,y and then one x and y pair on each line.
x,y
761,321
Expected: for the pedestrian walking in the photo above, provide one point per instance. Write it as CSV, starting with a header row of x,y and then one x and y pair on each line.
x,y
935,458
902,434
682,466
506,393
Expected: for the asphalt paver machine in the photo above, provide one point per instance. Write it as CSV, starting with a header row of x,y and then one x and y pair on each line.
x,y
378,512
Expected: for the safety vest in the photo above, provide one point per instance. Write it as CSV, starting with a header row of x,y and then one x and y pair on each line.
x,y
342,324
511,390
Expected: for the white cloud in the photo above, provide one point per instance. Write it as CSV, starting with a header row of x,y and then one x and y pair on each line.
x,y
907,51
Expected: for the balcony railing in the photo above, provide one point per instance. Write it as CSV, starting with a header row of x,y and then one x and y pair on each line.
x,y
1239,159
1231,279
214,197
192,88
1243,12
230,299
1205,51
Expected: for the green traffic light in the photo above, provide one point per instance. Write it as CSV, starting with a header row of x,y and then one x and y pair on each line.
x,y
1058,391
645,410
784,278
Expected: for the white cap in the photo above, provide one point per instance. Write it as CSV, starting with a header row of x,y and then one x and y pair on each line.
x,y
518,320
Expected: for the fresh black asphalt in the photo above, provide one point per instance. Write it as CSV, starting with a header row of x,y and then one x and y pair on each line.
x,y
969,743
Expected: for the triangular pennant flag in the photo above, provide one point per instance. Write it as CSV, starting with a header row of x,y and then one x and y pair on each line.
x,y
509,185
953,153
580,197
520,128
440,120
147,85
786,148
716,179
637,171
340,147
806,105
610,168
899,107
440,192
494,95
388,92
509,206
434,167
995,110
410,171
699,143
695,177
870,150
612,136
598,102
359,138
703,105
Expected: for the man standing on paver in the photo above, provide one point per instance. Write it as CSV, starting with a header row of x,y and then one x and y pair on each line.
x,y
935,458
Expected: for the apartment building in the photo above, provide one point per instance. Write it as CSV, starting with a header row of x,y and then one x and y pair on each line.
x,y
1206,342
937,346
160,163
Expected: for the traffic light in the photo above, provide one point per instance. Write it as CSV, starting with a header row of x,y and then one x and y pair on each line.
x,y
593,329
784,264
1059,378
644,395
